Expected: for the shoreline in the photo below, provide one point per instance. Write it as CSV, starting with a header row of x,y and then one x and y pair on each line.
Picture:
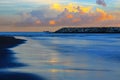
x,y
7,59
10,42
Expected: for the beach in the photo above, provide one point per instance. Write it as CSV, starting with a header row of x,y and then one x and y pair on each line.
x,y
7,60
66,57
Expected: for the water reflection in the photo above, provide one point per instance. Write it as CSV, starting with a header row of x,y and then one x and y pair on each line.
x,y
54,60
70,58
81,69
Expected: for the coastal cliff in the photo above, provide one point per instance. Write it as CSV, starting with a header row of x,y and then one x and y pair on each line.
x,y
89,30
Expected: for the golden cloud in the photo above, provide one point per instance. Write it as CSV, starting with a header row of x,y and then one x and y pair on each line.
x,y
68,15
103,15
70,7
52,22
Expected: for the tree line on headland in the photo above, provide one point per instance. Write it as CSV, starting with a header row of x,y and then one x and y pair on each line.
x,y
89,30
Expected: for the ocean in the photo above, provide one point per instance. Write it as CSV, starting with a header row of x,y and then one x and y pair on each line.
x,y
53,56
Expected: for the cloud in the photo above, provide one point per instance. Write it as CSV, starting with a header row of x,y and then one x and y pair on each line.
x,y
103,15
67,18
52,22
38,22
62,15
9,20
70,7
101,2
66,15
55,13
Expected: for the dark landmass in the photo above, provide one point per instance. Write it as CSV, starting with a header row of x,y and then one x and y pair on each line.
x,y
19,76
89,30
7,60
8,42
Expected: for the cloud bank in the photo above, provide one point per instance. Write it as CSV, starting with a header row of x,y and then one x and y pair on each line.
x,y
66,15
63,15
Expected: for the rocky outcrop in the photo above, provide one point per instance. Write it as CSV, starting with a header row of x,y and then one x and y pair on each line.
x,y
90,30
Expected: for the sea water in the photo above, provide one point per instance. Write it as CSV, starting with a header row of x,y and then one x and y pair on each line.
x,y
70,56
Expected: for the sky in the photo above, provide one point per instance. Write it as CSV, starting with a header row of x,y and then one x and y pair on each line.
x,y
49,15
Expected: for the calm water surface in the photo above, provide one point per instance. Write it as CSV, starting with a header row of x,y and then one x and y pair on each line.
x,y
70,56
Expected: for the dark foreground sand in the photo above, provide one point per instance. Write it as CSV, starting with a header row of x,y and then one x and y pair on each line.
x,y
8,42
7,60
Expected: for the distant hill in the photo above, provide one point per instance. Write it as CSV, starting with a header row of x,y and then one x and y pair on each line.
x,y
89,30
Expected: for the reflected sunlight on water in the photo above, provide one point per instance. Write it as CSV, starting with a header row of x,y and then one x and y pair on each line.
x,y
69,58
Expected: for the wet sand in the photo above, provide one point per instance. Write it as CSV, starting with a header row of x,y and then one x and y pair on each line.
x,y
8,61
63,57
70,57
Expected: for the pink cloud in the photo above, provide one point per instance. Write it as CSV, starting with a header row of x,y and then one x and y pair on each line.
x,y
82,16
